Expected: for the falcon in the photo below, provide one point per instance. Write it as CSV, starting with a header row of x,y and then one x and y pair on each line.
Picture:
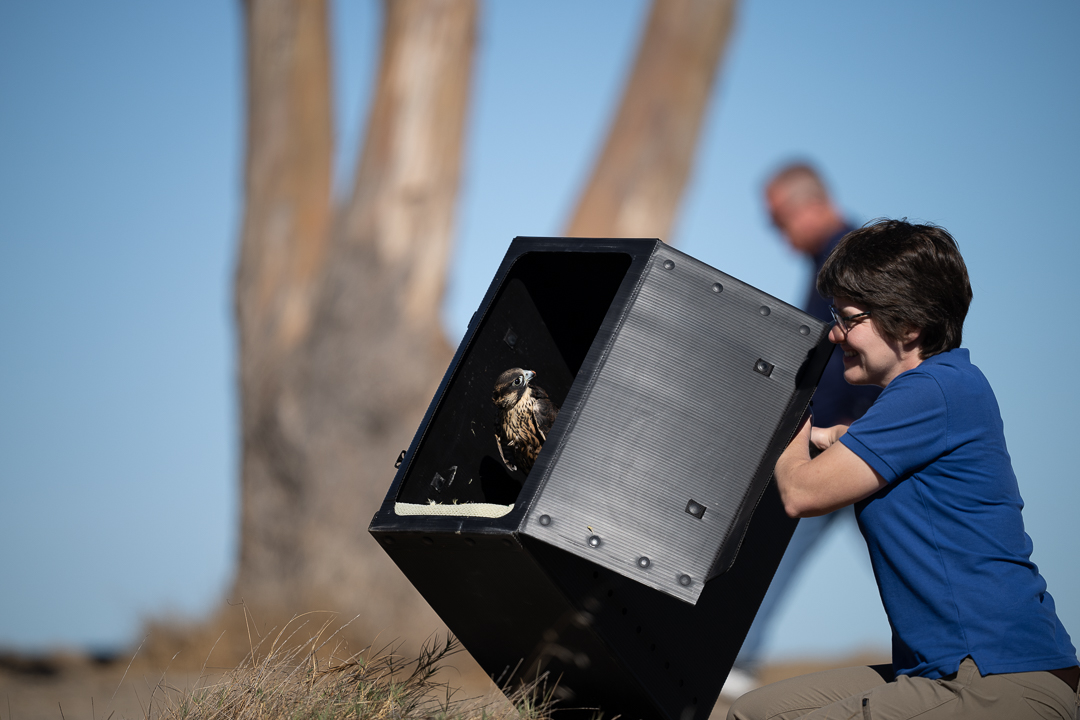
x,y
524,414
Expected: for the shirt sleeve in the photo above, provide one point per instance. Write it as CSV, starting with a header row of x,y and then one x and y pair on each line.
x,y
904,430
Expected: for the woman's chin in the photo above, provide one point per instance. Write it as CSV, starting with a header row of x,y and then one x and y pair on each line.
x,y
855,376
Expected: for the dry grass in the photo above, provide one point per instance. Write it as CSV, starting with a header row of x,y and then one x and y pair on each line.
x,y
285,676
300,671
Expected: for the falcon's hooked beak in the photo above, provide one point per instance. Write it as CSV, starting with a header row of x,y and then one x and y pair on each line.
x,y
529,375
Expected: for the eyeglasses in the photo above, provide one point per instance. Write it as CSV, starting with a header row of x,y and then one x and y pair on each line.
x,y
846,323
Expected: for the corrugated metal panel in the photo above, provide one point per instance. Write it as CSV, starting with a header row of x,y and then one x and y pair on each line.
x,y
677,413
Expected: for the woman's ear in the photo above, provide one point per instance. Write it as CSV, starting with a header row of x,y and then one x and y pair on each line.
x,y
912,337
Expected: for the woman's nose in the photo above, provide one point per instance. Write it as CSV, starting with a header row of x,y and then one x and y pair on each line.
x,y
836,334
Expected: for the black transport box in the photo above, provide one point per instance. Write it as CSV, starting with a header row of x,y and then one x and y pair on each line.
x,y
629,563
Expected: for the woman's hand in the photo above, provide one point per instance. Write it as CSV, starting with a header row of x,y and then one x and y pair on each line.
x,y
835,478
822,438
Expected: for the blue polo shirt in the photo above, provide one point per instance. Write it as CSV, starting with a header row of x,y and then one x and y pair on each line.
x,y
946,536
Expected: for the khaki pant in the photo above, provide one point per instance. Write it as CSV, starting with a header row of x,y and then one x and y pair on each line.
x,y
862,693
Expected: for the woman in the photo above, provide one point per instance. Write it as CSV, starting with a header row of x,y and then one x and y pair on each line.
x,y
975,633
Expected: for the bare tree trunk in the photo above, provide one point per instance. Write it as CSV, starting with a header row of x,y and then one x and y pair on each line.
x,y
639,179
341,341
341,345
282,252
403,201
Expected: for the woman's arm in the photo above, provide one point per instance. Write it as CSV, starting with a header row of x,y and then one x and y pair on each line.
x,y
834,479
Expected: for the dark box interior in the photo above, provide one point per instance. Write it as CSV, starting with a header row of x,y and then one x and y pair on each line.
x,y
544,318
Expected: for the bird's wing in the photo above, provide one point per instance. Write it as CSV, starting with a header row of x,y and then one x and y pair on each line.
x,y
544,411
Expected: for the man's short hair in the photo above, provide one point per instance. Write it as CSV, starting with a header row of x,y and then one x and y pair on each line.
x,y
801,180
908,276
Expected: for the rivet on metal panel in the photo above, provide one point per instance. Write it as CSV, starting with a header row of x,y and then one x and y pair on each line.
x,y
644,562
594,541
668,264
764,310
762,367
696,509
685,580
804,330
717,288
545,520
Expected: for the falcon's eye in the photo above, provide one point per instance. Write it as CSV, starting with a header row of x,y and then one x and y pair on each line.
x,y
518,379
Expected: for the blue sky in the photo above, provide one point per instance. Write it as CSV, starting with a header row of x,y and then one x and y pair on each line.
x,y
120,201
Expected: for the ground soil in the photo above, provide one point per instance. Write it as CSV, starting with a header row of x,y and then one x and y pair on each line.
x,y
67,687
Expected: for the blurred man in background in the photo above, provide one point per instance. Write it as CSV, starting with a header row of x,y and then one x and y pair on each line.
x,y
803,212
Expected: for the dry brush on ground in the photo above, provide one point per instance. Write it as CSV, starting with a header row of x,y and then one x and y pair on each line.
x,y
300,675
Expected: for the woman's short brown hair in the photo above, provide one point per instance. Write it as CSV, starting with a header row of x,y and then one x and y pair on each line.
x,y
908,276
